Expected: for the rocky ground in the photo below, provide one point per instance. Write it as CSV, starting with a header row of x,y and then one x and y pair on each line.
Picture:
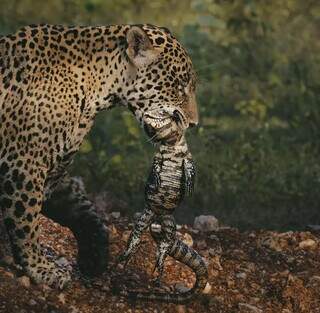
x,y
253,271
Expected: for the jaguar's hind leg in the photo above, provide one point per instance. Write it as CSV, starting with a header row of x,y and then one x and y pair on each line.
x,y
21,202
70,207
168,235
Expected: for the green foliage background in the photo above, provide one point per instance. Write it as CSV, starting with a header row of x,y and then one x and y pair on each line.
x,y
257,148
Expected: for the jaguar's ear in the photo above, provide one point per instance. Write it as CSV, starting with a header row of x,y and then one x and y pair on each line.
x,y
140,50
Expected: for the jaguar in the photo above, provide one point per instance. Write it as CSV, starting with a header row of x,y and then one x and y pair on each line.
x,y
54,80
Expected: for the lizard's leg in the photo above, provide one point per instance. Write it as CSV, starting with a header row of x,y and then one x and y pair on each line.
x,y
70,207
168,235
143,222
189,174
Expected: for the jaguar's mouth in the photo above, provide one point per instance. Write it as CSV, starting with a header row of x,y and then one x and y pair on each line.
x,y
160,126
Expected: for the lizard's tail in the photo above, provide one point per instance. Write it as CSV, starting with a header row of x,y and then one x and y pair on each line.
x,y
186,255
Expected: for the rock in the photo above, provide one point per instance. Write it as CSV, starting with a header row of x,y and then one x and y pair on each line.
x,y
206,223
24,281
241,275
249,308
62,298
74,309
314,227
115,215
306,244
32,302
8,274
207,289
7,260
180,287
181,308
187,239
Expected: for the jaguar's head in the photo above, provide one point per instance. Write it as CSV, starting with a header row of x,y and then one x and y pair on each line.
x,y
161,88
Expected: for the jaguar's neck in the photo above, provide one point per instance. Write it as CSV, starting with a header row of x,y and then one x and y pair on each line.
x,y
108,70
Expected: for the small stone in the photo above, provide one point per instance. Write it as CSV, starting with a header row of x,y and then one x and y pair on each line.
x,y
8,274
212,252
115,215
249,308
74,309
181,308
105,288
62,298
7,260
241,275
32,302
306,244
206,223
187,239
207,289
24,281
180,287
314,227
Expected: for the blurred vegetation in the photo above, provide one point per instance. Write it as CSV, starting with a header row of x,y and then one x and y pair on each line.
x,y
257,148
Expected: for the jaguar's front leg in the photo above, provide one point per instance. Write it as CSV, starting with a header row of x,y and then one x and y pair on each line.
x,y
189,175
168,235
143,222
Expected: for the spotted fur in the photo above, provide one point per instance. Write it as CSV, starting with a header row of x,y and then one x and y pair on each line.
x,y
53,81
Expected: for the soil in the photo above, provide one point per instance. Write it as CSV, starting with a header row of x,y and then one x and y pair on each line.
x,y
252,271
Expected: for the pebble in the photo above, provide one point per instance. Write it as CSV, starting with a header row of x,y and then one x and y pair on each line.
x,y
249,308
115,215
32,302
8,274
180,287
181,308
207,289
241,275
74,309
7,260
314,227
24,281
306,244
206,223
62,298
